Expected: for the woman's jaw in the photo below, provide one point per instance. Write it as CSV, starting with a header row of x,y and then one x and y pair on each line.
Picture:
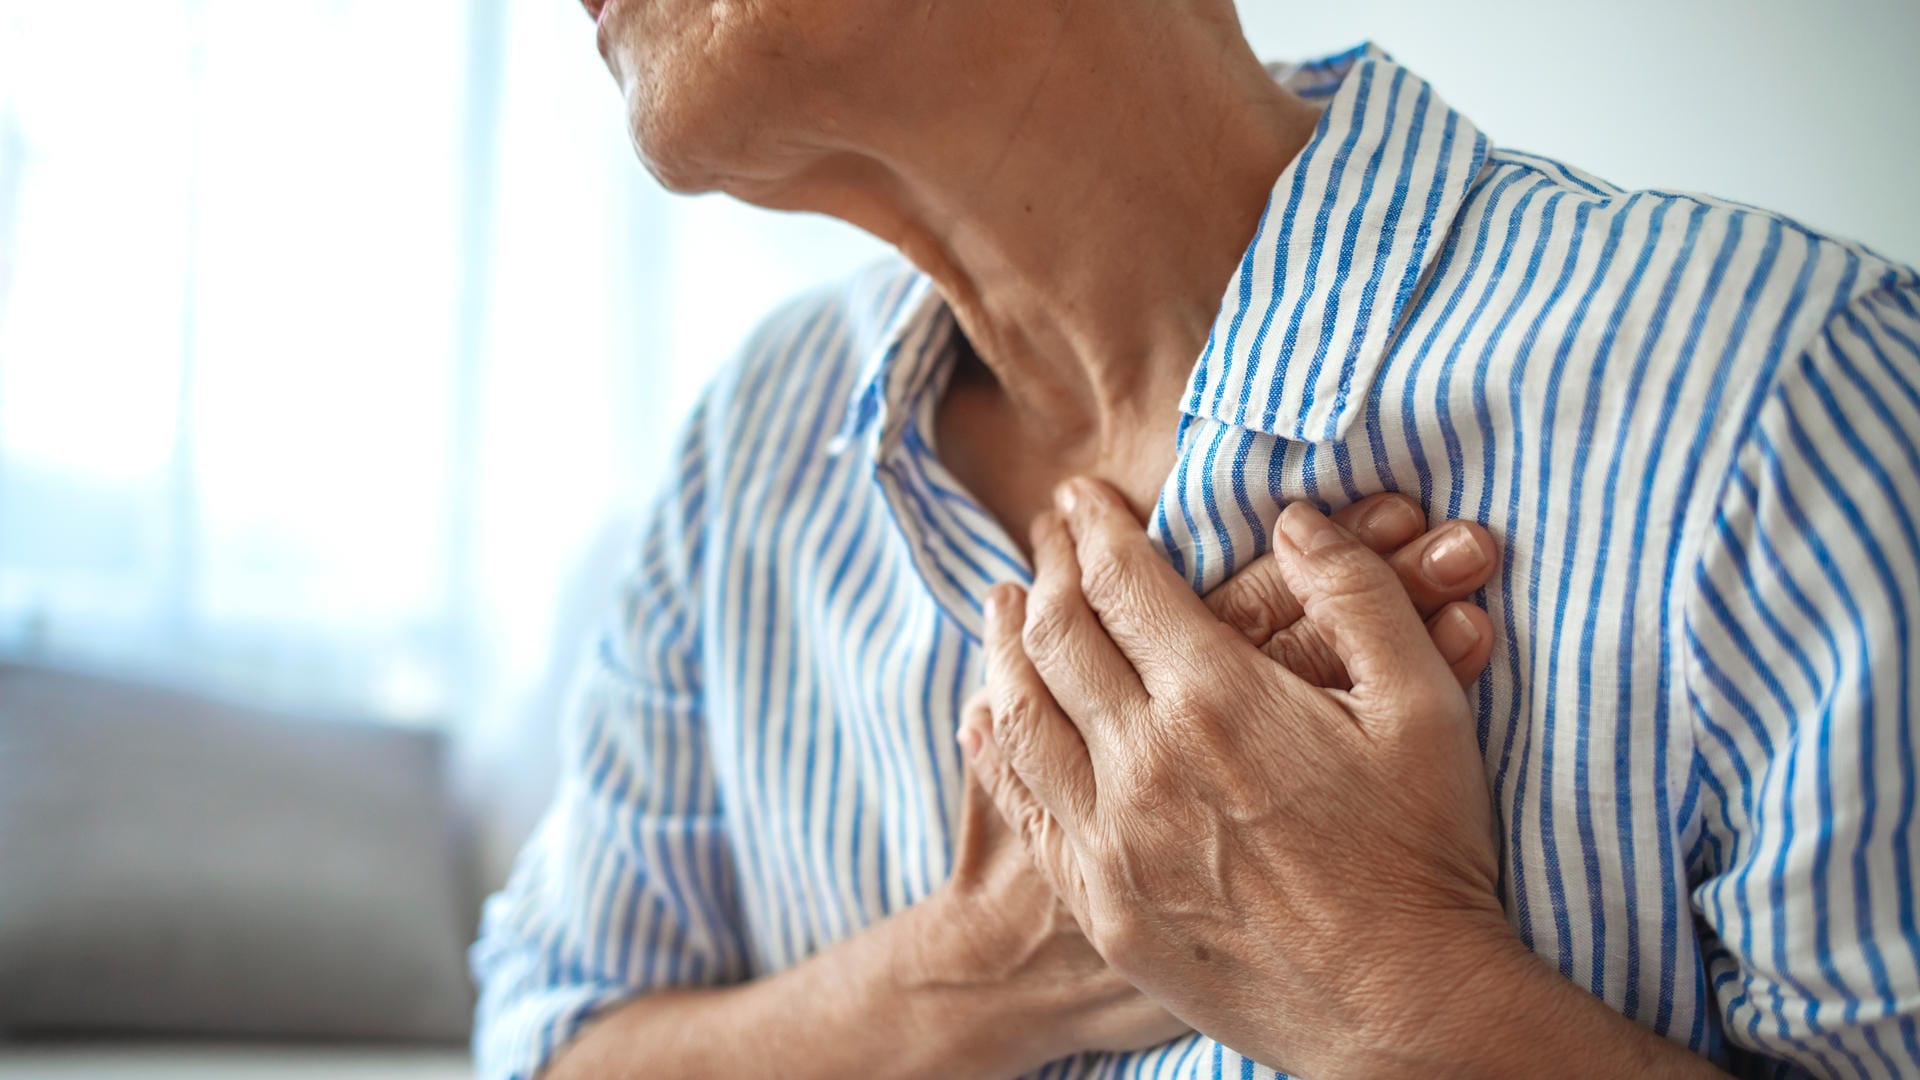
x,y
1078,178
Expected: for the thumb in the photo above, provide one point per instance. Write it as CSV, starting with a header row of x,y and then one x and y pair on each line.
x,y
1357,603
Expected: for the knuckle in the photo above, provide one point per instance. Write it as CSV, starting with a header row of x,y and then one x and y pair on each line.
x,y
1015,712
1110,568
1286,650
1019,713
1104,573
1047,628
1307,654
1153,783
1192,704
1348,569
1030,822
1143,781
993,782
1252,602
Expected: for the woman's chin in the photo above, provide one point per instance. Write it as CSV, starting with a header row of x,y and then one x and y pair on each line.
x,y
676,143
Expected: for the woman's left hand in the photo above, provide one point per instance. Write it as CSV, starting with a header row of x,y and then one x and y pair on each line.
x,y
1304,874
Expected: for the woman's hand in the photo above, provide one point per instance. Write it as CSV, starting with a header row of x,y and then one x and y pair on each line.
x,y
1438,568
1016,936
1298,871
1014,931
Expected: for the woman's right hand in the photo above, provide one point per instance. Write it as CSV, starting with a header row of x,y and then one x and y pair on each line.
x,y
1014,934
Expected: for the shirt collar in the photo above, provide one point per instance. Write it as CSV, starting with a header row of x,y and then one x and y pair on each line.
x,y
1352,224
903,329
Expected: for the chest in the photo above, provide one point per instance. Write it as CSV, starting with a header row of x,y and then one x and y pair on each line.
x,y
1010,465
833,701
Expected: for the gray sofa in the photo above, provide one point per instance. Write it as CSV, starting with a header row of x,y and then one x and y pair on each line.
x,y
189,888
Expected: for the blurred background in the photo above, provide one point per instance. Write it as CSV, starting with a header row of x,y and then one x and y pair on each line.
x,y
339,340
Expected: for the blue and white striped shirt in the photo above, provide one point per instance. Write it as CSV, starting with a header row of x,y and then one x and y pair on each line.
x,y
1692,425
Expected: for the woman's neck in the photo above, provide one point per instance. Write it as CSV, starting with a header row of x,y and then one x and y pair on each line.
x,y
1084,220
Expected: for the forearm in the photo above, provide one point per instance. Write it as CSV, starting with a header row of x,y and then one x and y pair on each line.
x,y
1502,1012
893,1001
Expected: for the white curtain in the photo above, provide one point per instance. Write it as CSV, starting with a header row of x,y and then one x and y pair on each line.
x,y
333,336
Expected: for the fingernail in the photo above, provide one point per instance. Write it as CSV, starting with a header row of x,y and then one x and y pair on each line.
x,y
969,740
1392,523
1454,557
1305,528
992,605
1065,497
1454,633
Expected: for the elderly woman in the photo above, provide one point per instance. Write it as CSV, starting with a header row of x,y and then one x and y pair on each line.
x,y
1668,831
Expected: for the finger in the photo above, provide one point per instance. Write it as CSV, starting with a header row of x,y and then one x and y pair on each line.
x,y
1257,602
1385,522
1358,604
1462,632
1036,829
1036,739
979,819
1159,625
977,710
1085,672
1464,635
1447,564
976,714
1301,649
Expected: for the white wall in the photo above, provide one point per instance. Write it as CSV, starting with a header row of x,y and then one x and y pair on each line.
x,y
1812,109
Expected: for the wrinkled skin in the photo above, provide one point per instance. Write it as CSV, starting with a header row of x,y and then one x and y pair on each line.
x,y
1021,929
1192,801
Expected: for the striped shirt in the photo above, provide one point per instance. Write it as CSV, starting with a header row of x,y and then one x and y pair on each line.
x,y
1693,426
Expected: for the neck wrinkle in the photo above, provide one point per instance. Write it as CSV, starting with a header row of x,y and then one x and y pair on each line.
x,y
1087,260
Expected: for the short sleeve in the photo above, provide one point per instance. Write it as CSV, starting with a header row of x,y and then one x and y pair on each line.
x,y
627,884
1802,659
